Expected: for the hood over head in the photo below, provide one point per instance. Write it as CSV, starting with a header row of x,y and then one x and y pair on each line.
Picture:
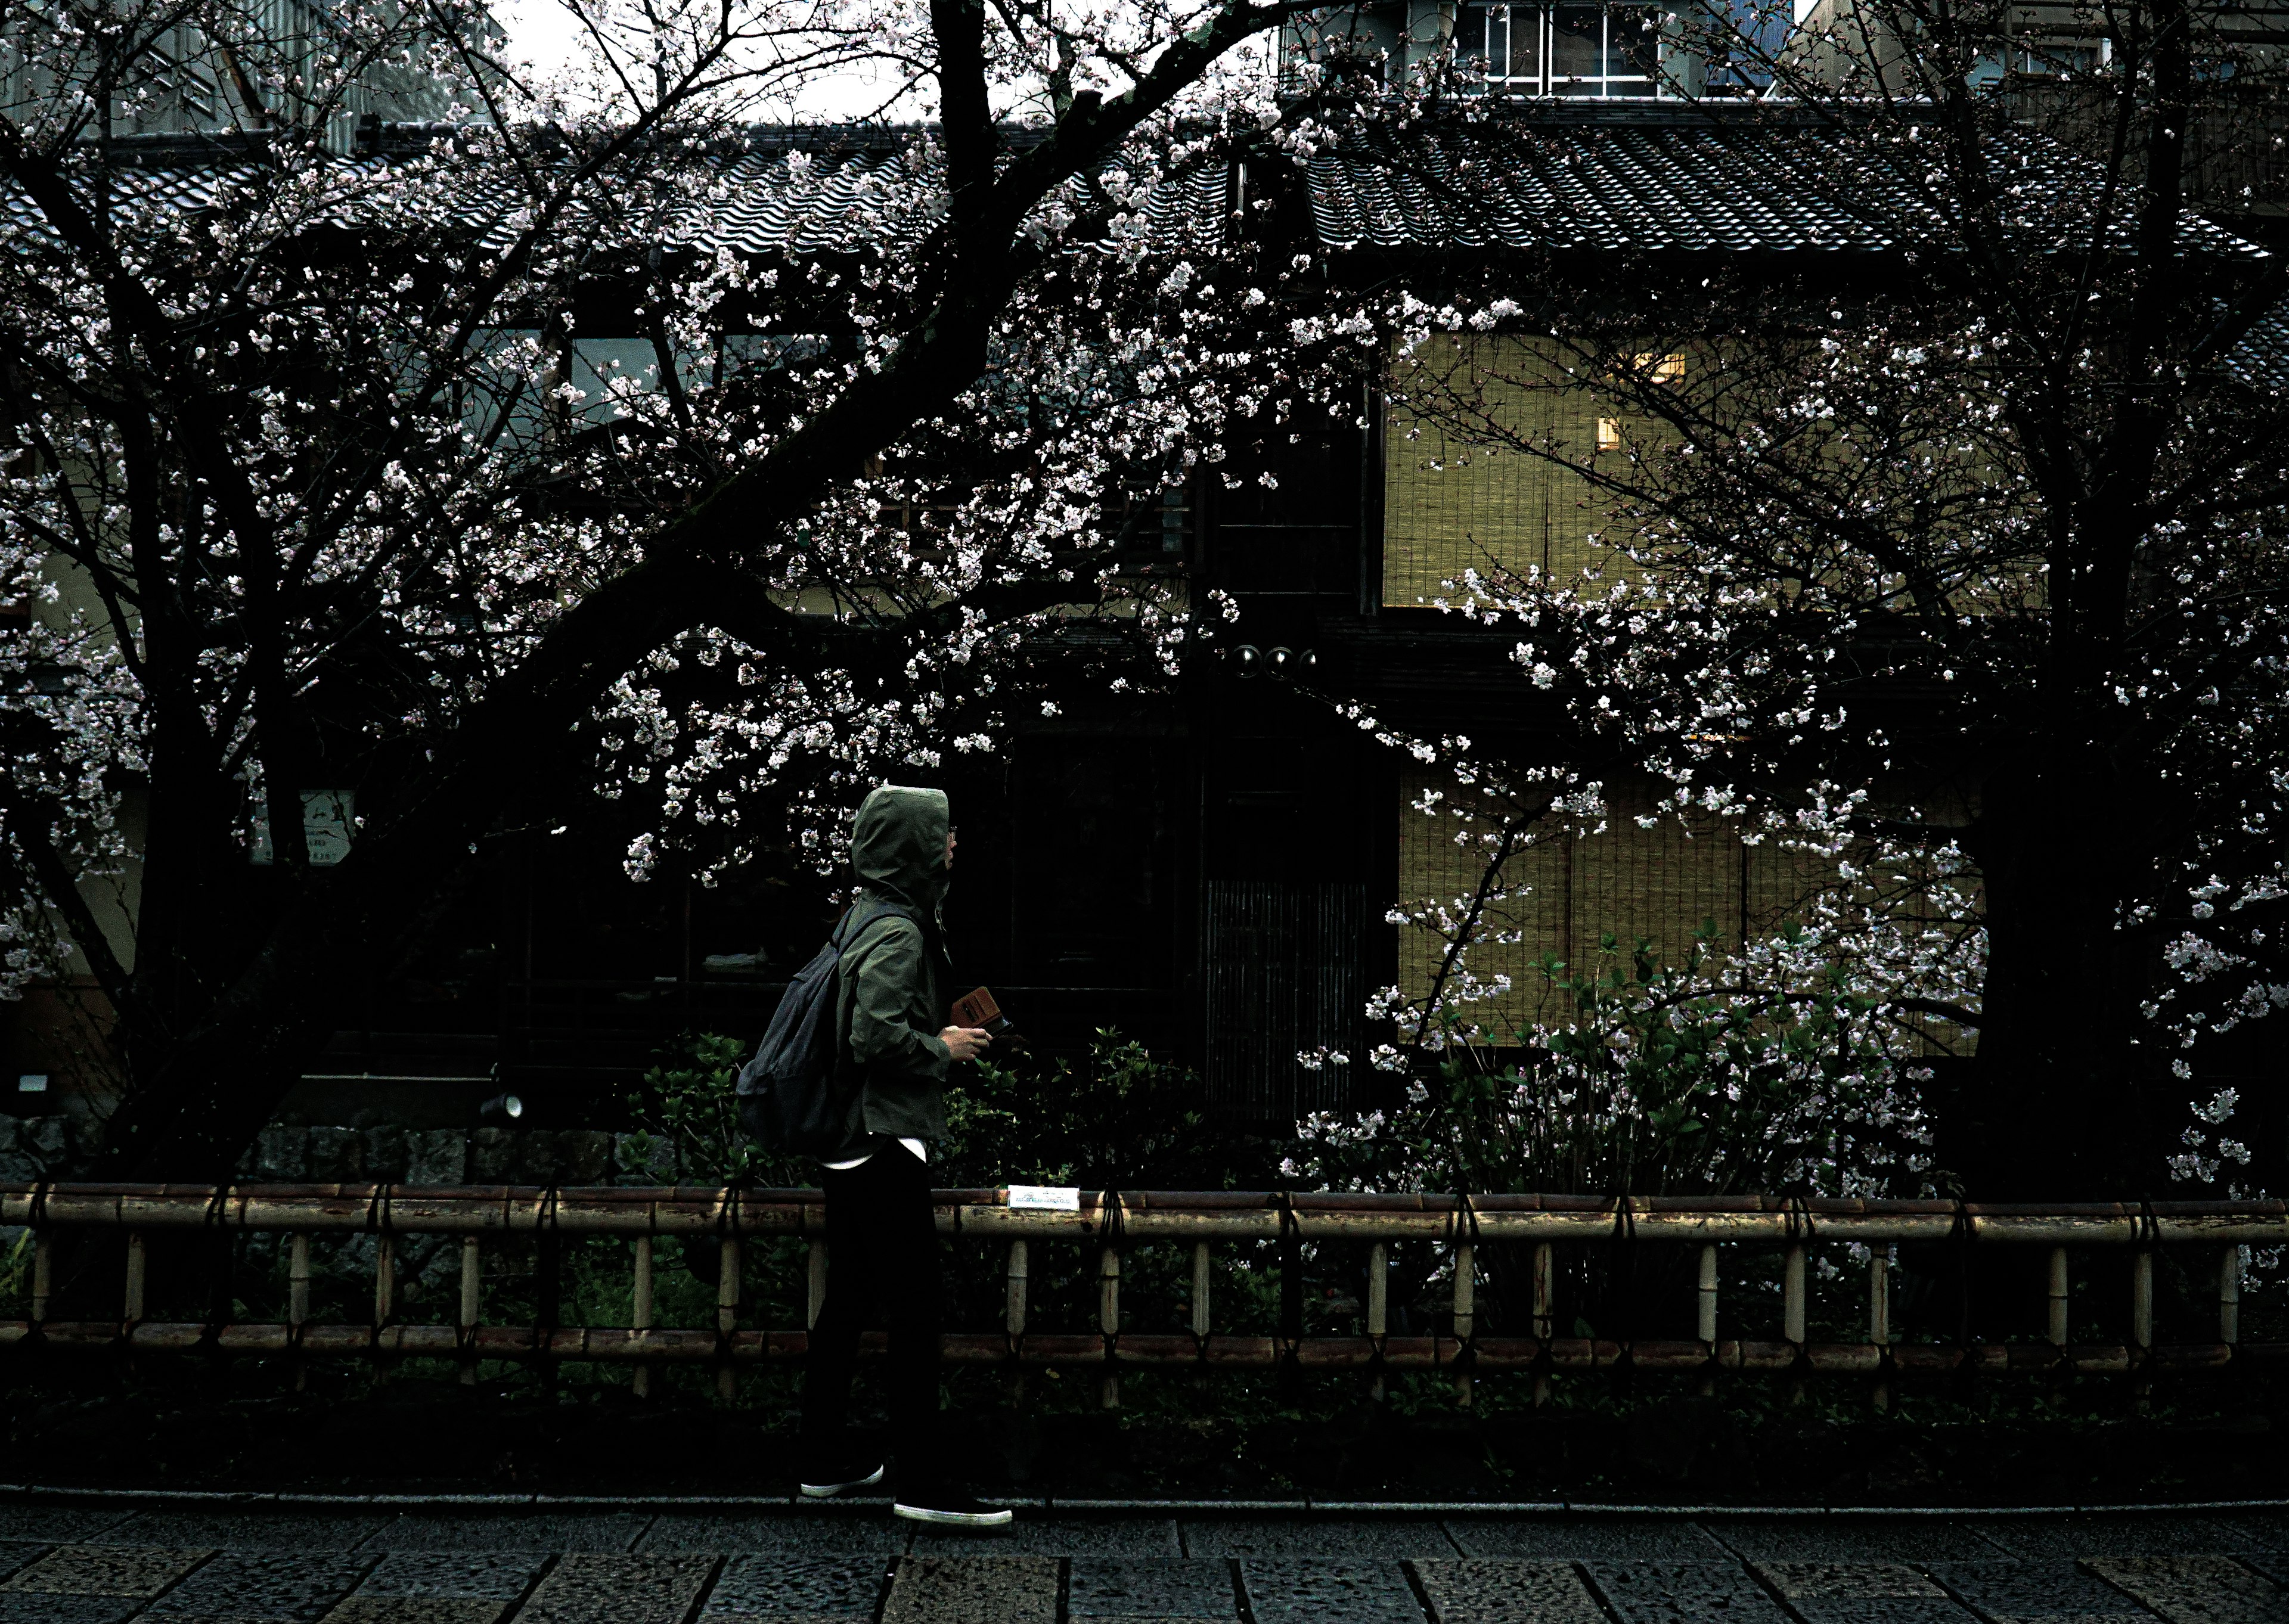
x,y
898,845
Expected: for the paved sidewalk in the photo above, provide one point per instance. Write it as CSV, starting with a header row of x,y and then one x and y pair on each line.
x,y
84,1563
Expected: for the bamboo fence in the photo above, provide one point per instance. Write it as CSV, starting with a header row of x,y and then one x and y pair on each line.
x,y
2214,1234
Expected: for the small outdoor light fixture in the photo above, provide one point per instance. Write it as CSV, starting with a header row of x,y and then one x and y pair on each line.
x,y
501,1108
1283,662
1249,658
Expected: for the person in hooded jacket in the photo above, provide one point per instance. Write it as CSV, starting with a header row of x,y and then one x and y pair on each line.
x,y
882,1233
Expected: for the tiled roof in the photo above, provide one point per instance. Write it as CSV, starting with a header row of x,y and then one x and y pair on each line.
x,y
775,197
1672,177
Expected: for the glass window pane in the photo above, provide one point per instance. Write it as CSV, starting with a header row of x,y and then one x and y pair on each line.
x,y
1576,43
1633,41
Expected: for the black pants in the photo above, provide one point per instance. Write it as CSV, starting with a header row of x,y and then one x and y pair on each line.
x,y
881,1247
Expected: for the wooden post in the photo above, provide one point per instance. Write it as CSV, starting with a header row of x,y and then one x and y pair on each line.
x,y
1466,1289
1793,1297
727,1314
1018,1273
1201,1282
132,1306
1108,1324
472,1294
44,1275
640,1315
2142,1299
818,1283
1378,1303
2230,1296
297,1295
2059,1297
385,1296
1880,1315
1545,1324
1705,1327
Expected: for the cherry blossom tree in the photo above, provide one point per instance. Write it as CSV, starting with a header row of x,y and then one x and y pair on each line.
x,y
1958,564
313,487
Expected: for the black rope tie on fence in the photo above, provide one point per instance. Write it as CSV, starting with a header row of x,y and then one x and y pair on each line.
x,y
1466,1341
1291,1290
215,1221
1623,1271
545,1259
1796,1223
379,1224
1112,1234
1961,1232
36,1220
727,1233
2146,1237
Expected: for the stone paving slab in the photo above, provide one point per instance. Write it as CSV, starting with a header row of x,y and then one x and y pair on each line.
x,y
2196,1589
417,1610
600,1534
243,1530
1055,1536
1883,1609
1806,1539
488,1576
1323,1590
26,1607
1297,1536
1585,1540
20,1553
2117,1536
1476,1590
973,1590
97,1570
2052,1590
263,1586
593,1588
771,1589
57,1524
1105,1589
1685,1593
793,1536
1833,1581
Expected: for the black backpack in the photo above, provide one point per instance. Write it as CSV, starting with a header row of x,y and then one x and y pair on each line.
x,y
798,1094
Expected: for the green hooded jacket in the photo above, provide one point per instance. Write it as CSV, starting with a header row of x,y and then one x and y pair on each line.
x,y
891,1001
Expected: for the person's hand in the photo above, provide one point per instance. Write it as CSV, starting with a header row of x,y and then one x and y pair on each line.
x,y
965,1042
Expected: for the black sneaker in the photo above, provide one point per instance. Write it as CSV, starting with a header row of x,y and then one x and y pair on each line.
x,y
843,1477
950,1510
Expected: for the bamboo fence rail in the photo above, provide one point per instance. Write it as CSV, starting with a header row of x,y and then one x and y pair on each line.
x,y
1113,1223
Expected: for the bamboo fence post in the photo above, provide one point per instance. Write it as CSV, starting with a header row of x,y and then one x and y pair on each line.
x,y
44,1275
1879,1316
1465,1316
2230,1296
1793,1297
2059,1297
727,1316
1544,1324
1201,1282
131,1303
1705,1321
816,1283
472,1294
1017,1273
1108,1324
298,1298
640,1315
384,1298
1378,1304
2142,1299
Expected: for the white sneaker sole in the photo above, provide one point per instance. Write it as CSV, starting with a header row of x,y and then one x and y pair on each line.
x,y
1001,1517
828,1491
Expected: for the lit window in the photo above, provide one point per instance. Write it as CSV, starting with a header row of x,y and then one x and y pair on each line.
x,y
1661,369
1610,433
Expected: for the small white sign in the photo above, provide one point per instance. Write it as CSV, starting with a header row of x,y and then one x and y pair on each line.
x,y
1044,1199
32,1082
329,820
